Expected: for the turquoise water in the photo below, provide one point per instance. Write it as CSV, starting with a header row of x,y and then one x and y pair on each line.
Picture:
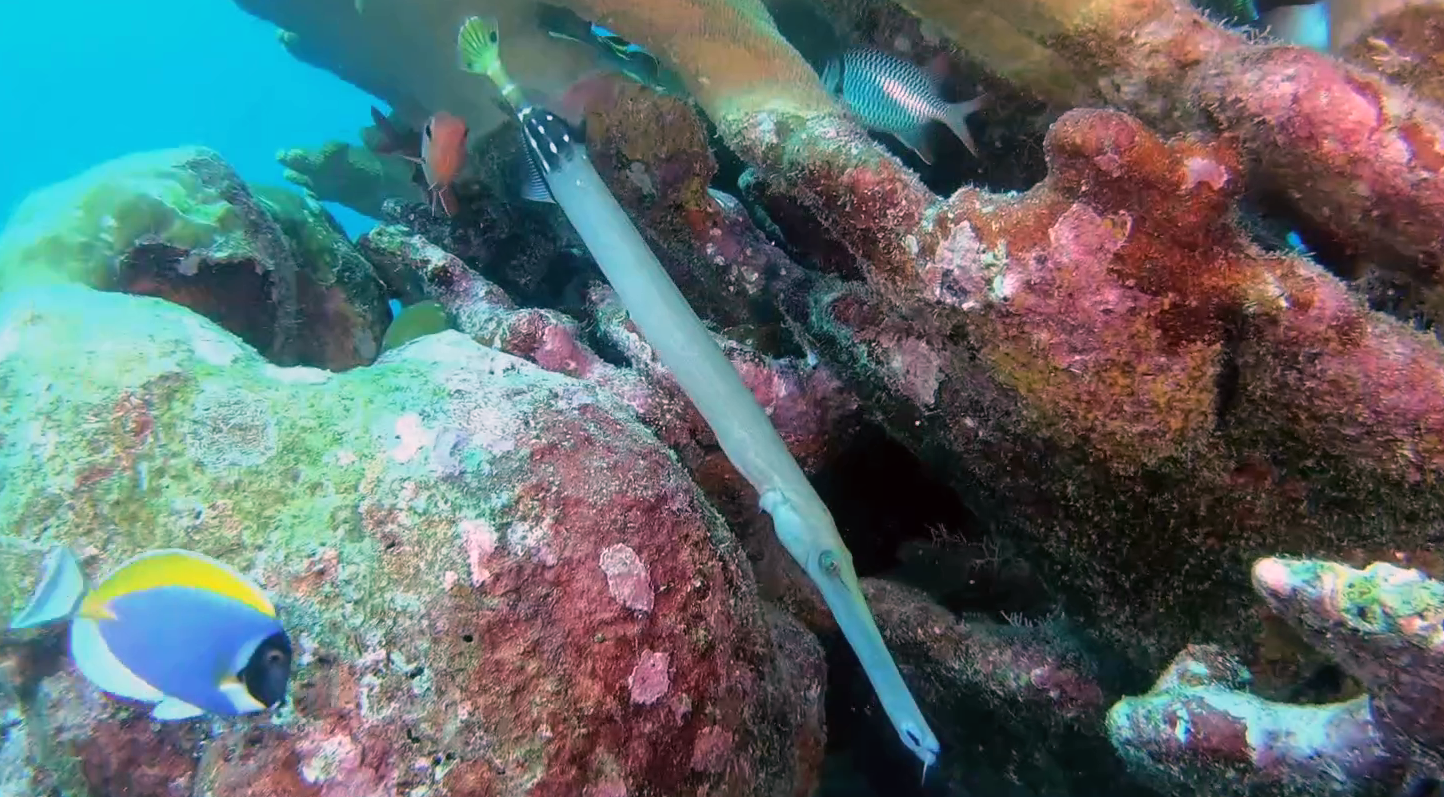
x,y
90,80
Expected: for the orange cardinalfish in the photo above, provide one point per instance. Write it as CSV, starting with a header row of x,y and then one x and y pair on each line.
x,y
441,153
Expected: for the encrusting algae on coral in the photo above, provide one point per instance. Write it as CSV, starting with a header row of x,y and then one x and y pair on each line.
x,y
1070,438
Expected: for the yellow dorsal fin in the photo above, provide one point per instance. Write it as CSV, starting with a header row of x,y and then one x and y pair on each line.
x,y
173,567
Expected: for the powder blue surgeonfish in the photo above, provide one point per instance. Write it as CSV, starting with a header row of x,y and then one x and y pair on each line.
x,y
170,627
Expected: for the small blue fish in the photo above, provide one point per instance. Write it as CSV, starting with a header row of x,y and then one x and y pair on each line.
x,y
169,627
896,96
632,60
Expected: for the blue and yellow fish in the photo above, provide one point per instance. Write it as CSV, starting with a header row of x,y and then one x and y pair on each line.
x,y
170,627
632,60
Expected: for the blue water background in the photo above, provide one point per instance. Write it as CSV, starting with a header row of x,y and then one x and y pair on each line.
x,y
89,80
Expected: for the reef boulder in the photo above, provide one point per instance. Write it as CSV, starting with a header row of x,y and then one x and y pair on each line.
x,y
269,265
497,580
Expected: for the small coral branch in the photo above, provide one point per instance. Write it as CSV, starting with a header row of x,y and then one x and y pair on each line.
x,y
806,402
1357,158
1385,626
1199,731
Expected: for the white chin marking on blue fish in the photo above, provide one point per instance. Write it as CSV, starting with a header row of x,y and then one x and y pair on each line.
x,y
241,700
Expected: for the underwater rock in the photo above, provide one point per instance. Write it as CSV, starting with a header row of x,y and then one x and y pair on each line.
x,y
495,578
810,408
270,266
1104,367
1200,731
179,224
342,311
352,176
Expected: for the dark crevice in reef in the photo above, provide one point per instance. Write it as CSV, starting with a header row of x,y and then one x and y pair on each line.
x,y
903,523
882,496
208,287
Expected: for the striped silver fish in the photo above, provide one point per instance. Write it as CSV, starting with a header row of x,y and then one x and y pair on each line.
x,y
895,96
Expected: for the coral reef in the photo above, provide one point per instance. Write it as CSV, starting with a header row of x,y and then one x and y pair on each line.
x,y
1109,369
480,604
270,266
1105,366
1132,389
352,175
1352,157
1020,703
807,404
1200,731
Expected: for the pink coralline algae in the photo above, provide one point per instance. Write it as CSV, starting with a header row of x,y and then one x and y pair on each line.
x,y
627,578
648,681
480,541
523,673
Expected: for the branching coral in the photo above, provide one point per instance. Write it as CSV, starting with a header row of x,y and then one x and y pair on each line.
x,y
1105,365
806,402
1112,369
1199,731
1356,158
350,175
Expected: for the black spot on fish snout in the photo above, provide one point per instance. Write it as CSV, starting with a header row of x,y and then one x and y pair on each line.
x,y
491,37
269,670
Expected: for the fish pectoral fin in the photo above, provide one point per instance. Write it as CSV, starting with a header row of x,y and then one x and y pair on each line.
x,y
171,709
58,593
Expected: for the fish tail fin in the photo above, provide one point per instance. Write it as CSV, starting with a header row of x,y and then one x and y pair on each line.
x,y
956,118
62,586
478,49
